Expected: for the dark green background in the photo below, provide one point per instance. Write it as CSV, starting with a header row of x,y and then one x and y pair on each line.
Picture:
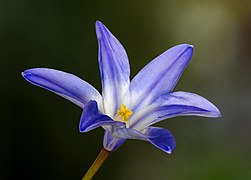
x,y
39,130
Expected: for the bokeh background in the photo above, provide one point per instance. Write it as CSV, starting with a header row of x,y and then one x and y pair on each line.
x,y
39,130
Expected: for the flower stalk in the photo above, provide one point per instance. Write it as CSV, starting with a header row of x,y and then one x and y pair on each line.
x,y
103,155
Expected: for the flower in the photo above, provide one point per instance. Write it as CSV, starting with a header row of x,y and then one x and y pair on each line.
x,y
127,110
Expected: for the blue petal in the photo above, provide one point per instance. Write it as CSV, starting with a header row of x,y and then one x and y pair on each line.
x,y
114,69
91,118
110,142
159,76
63,84
172,105
159,137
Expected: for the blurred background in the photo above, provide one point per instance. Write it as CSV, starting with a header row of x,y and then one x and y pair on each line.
x,y
39,130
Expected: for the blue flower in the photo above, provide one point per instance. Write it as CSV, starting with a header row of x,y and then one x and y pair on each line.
x,y
128,109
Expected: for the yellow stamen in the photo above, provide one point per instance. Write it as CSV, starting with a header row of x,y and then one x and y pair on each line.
x,y
123,114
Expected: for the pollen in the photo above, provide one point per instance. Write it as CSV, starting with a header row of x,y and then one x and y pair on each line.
x,y
123,114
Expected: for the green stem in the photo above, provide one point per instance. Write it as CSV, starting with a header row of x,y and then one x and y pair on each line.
x,y
103,155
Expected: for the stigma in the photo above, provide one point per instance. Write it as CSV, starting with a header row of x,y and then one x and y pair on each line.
x,y
123,114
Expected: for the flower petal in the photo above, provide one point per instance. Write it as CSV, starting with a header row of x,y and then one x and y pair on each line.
x,y
92,119
159,137
172,105
63,84
114,69
110,142
159,76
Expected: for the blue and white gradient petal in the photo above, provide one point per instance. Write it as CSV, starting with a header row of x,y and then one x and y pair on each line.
x,y
159,137
114,69
148,97
92,119
159,76
172,105
63,84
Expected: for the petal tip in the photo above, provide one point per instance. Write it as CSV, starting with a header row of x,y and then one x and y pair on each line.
x,y
23,73
99,28
29,75
218,113
168,149
215,112
169,152
184,48
98,23
26,75
190,45
82,130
